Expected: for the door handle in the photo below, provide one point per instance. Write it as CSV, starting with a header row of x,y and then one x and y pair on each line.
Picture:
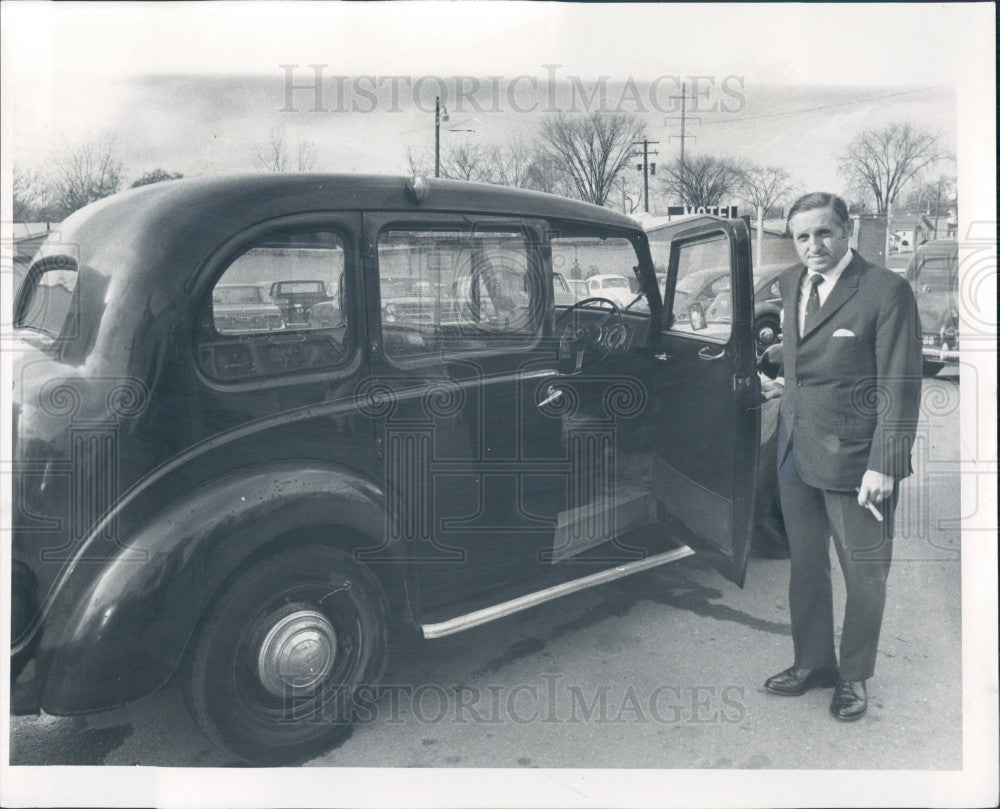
x,y
663,356
706,354
554,394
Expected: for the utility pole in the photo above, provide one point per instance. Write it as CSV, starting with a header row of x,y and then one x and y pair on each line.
x,y
440,114
645,170
683,136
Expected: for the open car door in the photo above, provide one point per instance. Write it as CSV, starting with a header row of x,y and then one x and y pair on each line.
x,y
707,391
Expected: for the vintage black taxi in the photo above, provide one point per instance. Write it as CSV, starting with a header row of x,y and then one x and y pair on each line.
x,y
933,274
244,508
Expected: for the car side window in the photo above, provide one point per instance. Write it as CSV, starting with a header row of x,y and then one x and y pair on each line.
x,y
277,308
937,274
703,297
453,290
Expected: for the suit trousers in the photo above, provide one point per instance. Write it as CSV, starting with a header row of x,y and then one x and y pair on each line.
x,y
864,548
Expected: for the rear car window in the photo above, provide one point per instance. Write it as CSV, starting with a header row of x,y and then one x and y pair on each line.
x,y
48,298
278,308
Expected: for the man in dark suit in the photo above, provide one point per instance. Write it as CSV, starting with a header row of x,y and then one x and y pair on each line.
x,y
852,366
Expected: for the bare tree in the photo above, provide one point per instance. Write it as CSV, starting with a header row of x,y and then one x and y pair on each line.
x,y
512,163
880,162
934,197
83,174
546,174
591,150
467,161
272,154
765,186
629,188
418,164
30,191
305,154
156,176
703,180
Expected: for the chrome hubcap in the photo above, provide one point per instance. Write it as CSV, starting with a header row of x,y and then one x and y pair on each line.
x,y
766,334
297,653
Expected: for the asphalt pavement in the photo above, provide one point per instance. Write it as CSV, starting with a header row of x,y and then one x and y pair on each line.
x,y
661,670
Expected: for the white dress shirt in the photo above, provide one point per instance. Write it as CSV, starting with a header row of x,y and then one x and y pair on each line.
x,y
830,278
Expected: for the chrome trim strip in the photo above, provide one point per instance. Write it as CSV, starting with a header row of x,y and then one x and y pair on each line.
x,y
940,355
487,614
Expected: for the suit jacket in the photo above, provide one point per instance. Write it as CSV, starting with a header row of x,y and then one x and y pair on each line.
x,y
852,381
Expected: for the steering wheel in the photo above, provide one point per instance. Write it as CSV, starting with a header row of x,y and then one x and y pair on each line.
x,y
580,339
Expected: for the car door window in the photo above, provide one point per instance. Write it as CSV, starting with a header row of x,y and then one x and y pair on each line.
x,y
454,290
937,275
703,297
278,307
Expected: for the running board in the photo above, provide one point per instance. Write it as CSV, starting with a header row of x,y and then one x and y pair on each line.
x,y
487,614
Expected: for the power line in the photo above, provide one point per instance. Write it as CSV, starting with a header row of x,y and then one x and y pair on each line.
x,y
821,107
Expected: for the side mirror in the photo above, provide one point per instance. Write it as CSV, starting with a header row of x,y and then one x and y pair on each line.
x,y
770,361
696,314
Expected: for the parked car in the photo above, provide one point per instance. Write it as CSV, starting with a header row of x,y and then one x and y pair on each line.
x,y
898,262
246,513
563,293
577,287
243,308
766,303
701,286
933,274
612,287
297,298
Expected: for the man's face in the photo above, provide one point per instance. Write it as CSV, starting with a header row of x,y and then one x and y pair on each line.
x,y
819,238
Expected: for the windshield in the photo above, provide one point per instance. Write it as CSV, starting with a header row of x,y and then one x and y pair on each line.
x,y
615,283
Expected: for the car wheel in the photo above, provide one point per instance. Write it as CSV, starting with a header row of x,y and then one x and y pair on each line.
x,y
931,367
766,331
282,652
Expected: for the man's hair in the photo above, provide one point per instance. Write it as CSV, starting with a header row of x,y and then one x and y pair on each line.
x,y
818,200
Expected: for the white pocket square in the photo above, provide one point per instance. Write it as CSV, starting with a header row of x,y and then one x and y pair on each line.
x,y
844,333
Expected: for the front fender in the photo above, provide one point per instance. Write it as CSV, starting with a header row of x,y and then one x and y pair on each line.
x,y
127,633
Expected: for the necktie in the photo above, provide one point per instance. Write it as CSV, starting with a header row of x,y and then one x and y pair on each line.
x,y
812,304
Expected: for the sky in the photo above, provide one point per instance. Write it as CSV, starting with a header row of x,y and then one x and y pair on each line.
x,y
194,87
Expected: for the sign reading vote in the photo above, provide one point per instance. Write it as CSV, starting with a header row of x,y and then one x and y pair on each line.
x,y
725,211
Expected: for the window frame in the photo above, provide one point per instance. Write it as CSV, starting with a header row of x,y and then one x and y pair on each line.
x,y
345,225
669,324
378,223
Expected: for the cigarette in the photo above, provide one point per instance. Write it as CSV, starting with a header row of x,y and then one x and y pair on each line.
x,y
875,512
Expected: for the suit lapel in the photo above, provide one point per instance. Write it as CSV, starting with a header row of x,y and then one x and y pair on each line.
x,y
846,286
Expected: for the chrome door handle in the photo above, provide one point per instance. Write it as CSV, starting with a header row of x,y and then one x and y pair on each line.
x,y
706,354
553,395
663,356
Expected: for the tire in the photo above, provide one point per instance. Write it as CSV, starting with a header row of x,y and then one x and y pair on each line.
x,y
282,651
765,332
931,367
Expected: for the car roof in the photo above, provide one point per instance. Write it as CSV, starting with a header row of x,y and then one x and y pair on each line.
x,y
938,247
181,223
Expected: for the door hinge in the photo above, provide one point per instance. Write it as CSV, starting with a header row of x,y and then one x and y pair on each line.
x,y
740,382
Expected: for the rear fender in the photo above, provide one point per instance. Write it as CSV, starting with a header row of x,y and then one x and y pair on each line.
x,y
127,634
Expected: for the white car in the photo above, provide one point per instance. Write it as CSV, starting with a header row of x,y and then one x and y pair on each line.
x,y
613,287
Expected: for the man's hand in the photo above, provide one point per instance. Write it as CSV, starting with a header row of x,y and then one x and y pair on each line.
x,y
771,388
875,487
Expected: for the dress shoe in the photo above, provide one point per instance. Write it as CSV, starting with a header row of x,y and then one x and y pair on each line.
x,y
850,700
794,681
